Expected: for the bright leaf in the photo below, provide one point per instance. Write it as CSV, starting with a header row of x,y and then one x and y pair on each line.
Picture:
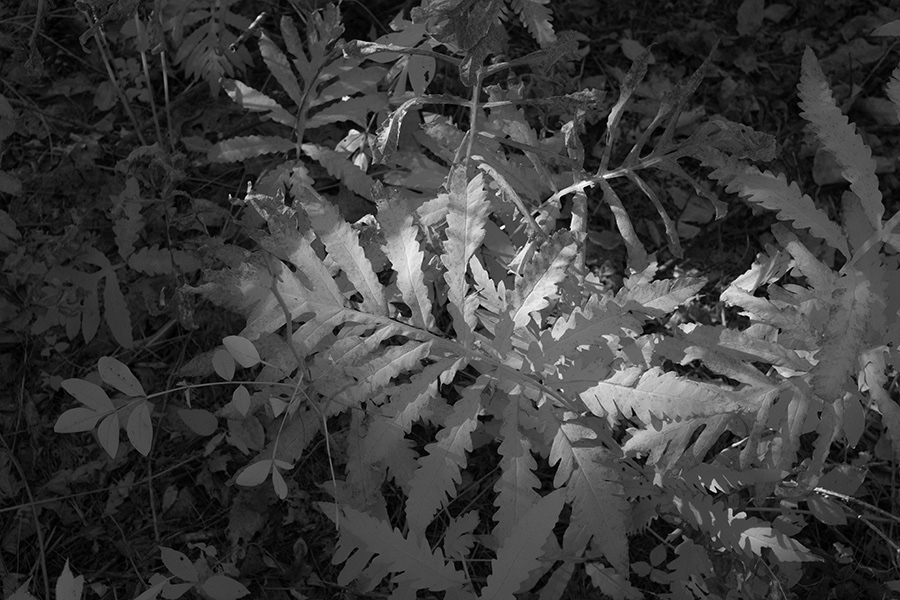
x,y
255,474
140,428
221,587
279,484
223,363
202,422
242,350
69,587
77,419
178,564
108,432
119,376
153,591
241,399
89,394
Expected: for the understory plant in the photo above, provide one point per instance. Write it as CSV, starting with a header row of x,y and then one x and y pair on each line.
x,y
461,318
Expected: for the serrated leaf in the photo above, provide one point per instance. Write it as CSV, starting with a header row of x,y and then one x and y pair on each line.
x,y
785,548
892,90
108,434
586,327
119,376
178,564
403,250
538,281
458,538
76,420
518,555
342,243
592,486
255,101
140,428
845,337
340,167
773,192
439,470
840,138
388,135
738,532
466,216
251,146
416,565
381,367
632,79
517,485
536,16
658,298
89,394
204,53
279,66
242,350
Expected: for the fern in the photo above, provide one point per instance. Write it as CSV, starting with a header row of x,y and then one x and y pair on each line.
x,y
324,89
467,310
205,52
839,138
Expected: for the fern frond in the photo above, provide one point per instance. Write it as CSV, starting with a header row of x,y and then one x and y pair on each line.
x,y
773,192
741,346
339,167
846,336
342,243
588,327
892,90
840,137
439,470
720,479
414,563
204,53
658,298
380,368
253,100
661,395
280,68
677,443
536,285
536,17
406,256
409,402
467,212
362,487
591,480
458,538
323,29
516,486
738,532
518,554
250,146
